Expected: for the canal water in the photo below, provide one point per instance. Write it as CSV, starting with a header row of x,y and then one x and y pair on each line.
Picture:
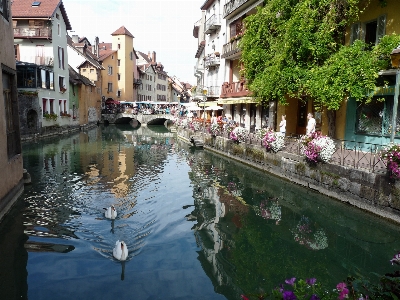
x,y
197,226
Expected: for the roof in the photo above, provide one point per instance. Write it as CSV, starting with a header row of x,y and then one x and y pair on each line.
x,y
145,56
76,78
122,31
207,4
105,53
46,9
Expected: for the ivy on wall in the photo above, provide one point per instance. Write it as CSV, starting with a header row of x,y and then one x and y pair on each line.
x,y
296,48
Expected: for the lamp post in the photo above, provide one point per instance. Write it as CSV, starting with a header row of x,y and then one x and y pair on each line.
x,y
395,59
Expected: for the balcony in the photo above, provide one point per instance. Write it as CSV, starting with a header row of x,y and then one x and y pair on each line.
x,y
44,61
199,92
32,33
213,23
231,50
234,89
233,5
213,91
212,61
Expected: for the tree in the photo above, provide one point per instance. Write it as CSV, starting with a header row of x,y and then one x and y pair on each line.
x,y
296,48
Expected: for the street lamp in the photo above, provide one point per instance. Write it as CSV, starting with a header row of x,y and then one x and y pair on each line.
x,y
395,59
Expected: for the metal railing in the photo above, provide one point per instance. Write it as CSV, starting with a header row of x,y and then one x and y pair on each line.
x,y
349,154
213,23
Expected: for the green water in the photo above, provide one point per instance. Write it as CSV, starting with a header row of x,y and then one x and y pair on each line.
x,y
197,226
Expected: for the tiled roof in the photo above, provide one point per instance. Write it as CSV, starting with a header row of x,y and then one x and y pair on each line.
x,y
206,5
122,31
145,56
105,46
46,9
106,53
76,78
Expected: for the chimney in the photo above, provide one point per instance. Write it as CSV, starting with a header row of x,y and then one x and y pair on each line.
x,y
75,38
149,56
96,46
154,57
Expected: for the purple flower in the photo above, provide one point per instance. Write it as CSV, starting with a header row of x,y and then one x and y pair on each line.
x,y
311,281
289,295
341,286
314,297
290,281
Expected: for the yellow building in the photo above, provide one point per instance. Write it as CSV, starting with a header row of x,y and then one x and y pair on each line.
x,y
119,61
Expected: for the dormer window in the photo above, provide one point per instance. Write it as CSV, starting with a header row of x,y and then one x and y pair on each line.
x,y
35,3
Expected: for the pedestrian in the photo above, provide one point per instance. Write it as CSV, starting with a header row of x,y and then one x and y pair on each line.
x,y
310,124
282,125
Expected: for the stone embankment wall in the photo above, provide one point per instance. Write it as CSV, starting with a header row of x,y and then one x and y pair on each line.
x,y
375,193
51,131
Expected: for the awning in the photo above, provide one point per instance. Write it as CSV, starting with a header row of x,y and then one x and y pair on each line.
x,y
236,100
208,103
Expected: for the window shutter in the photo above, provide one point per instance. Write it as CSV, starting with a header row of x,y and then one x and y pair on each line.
x,y
31,23
355,32
381,28
62,51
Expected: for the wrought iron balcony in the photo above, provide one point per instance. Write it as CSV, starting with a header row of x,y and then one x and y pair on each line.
x,y
234,89
233,5
212,61
198,71
37,33
231,50
213,23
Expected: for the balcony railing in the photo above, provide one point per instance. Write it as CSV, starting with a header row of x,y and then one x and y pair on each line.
x,y
213,91
213,23
32,32
234,89
232,5
212,61
44,60
231,49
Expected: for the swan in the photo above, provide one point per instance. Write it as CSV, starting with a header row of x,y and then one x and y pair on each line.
x,y
110,212
120,250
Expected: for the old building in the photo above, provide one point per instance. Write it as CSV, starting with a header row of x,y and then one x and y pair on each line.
x,y
11,185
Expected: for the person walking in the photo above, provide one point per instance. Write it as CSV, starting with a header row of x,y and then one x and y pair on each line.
x,y
310,124
282,125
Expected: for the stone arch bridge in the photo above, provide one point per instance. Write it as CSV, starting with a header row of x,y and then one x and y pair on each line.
x,y
122,118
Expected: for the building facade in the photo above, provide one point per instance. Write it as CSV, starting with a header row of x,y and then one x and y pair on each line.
x,y
40,45
11,185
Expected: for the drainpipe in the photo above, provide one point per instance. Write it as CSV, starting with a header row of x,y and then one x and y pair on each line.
x,y
395,104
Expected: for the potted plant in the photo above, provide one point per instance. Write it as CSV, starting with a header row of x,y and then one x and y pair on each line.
x,y
317,147
391,153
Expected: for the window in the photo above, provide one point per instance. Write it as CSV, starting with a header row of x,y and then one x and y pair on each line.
x,y
119,93
61,58
59,29
131,55
4,9
119,46
83,70
51,106
119,62
57,16
61,83
11,111
119,76
109,87
370,32
16,52
110,70
44,106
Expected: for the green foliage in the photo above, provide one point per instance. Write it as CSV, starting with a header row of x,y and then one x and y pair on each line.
x,y
295,48
50,116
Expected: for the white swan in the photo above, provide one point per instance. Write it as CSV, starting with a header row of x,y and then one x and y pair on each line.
x,y
120,250
111,212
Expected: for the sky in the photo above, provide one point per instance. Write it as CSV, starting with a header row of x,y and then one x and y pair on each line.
x,y
163,26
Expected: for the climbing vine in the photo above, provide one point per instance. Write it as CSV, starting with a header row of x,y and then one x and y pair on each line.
x,y
296,48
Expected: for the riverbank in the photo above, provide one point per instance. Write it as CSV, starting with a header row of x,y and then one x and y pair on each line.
x,y
371,192
48,132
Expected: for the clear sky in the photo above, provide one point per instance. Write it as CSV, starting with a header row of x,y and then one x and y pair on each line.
x,y
163,26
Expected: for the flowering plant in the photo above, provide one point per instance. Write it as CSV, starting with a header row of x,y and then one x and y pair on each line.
x,y
274,141
260,133
391,153
228,128
388,287
215,129
238,134
194,125
317,147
